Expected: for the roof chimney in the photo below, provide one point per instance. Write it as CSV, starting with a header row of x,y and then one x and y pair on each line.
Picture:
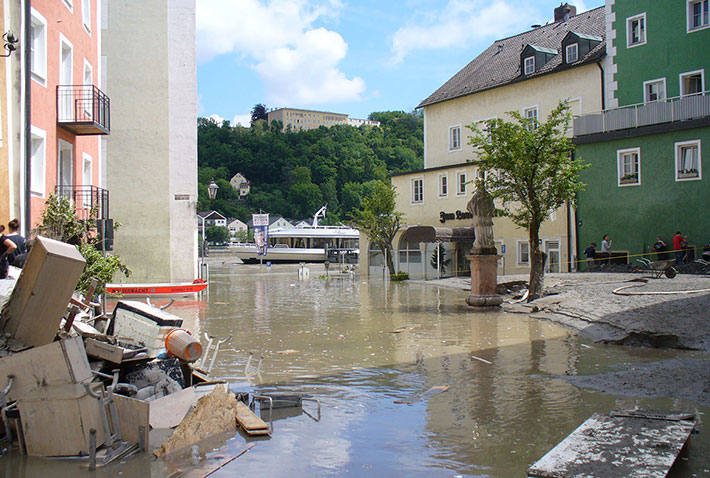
x,y
564,12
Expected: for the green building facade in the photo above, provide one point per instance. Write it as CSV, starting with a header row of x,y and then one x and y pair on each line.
x,y
647,148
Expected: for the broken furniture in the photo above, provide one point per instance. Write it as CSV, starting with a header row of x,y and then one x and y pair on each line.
x,y
142,324
40,297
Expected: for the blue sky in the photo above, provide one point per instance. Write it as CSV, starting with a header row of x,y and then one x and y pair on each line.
x,y
345,56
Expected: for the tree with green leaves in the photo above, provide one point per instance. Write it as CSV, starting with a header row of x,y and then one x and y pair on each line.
x,y
379,220
217,234
259,113
530,168
60,222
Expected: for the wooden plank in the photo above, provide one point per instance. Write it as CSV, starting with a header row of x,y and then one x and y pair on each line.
x,y
251,424
168,411
133,414
215,464
620,444
103,350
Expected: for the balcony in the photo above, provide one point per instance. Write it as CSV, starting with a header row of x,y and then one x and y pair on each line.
x,y
83,109
91,202
645,117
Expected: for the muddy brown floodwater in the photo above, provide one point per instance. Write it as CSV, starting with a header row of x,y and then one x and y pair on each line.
x,y
359,345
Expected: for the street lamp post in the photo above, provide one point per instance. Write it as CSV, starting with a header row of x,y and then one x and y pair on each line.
x,y
212,191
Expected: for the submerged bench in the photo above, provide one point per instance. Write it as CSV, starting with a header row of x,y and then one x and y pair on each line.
x,y
619,444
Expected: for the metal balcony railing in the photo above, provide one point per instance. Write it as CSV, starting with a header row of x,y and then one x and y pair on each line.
x,y
679,108
85,198
83,109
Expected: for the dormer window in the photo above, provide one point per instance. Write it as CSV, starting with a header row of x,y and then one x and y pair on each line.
x,y
572,53
530,65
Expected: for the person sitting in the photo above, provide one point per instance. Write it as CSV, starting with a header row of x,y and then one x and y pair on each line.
x,y
591,252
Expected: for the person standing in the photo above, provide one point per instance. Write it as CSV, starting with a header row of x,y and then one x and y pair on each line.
x,y
18,256
6,248
606,247
679,245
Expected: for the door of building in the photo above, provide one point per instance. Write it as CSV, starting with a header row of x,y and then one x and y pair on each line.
x,y
552,249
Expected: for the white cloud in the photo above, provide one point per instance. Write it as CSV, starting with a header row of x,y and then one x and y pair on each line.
x,y
297,61
244,120
216,118
459,23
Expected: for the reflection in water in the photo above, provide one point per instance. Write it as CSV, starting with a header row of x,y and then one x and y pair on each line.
x,y
359,344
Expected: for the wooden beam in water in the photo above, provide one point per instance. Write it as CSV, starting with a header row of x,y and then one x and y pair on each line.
x,y
621,444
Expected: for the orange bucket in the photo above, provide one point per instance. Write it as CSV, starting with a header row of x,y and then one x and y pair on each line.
x,y
181,344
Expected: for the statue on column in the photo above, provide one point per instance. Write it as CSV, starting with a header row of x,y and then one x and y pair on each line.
x,y
482,208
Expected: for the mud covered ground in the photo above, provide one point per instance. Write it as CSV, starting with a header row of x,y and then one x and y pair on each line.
x,y
630,309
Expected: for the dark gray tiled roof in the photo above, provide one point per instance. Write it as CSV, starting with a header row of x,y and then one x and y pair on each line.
x,y
499,64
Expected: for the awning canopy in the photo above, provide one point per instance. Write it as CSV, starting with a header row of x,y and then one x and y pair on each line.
x,y
439,234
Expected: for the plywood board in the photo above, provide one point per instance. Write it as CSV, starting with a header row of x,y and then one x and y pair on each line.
x,y
620,444
52,364
168,411
133,414
43,291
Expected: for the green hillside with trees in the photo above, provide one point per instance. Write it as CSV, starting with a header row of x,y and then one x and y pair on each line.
x,y
294,173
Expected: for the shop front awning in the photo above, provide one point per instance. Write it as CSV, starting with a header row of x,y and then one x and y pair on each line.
x,y
439,234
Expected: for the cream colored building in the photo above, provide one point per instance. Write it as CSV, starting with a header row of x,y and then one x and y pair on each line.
x,y
492,84
298,119
240,184
148,50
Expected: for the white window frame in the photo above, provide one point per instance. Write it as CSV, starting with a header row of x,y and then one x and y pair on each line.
x,y
679,146
69,4
460,185
443,182
526,115
38,163
39,39
568,49
417,195
86,15
455,138
620,166
661,91
682,77
64,42
87,159
644,32
690,16
529,66
519,252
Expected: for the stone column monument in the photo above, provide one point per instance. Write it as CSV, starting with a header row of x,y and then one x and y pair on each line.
x,y
484,256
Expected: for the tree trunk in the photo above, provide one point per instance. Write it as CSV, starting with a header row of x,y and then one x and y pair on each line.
x,y
390,262
537,265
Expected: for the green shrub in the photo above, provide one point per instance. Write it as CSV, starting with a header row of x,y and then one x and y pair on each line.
x,y
399,276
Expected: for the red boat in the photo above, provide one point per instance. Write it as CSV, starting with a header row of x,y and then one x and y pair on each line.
x,y
175,288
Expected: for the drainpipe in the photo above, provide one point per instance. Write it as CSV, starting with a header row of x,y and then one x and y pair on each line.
x,y
27,220
601,69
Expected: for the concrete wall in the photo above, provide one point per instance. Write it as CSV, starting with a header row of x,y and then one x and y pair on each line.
x,y
149,49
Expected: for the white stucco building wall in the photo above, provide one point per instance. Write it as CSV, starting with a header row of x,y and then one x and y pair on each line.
x,y
151,155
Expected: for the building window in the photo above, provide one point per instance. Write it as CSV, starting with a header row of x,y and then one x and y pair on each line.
x,y
692,82
69,4
636,30
572,53
87,177
529,63
523,253
38,47
443,185
654,90
687,161
461,184
629,166
37,162
698,14
454,138
417,190
530,114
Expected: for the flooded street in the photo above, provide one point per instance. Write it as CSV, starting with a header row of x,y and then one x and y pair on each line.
x,y
361,344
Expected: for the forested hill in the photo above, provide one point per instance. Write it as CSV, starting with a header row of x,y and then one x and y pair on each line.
x,y
292,174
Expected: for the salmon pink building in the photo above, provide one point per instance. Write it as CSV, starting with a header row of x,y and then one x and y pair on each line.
x,y
69,113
